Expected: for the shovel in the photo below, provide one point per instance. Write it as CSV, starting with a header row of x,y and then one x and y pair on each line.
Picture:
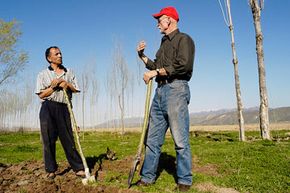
x,y
88,178
137,159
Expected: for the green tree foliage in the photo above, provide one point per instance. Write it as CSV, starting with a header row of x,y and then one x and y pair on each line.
x,y
11,60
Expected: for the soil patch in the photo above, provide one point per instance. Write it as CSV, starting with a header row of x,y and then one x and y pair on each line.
x,y
30,177
208,169
209,187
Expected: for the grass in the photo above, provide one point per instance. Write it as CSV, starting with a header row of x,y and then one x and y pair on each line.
x,y
260,166
252,166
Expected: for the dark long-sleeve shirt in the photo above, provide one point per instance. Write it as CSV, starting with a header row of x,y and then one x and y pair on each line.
x,y
175,55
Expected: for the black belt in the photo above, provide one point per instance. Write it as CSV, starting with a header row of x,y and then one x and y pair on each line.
x,y
165,81
162,82
54,102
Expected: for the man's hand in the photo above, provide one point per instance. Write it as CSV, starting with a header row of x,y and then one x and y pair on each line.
x,y
149,75
59,82
140,49
54,83
63,84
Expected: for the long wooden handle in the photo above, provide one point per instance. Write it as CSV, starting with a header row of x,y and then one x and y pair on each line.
x,y
75,126
146,117
144,130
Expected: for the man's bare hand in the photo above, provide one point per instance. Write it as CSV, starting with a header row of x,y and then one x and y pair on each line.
x,y
54,83
140,48
149,75
63,84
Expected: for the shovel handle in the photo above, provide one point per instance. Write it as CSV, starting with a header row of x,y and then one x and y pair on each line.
x,y
75,129
146,117
144,130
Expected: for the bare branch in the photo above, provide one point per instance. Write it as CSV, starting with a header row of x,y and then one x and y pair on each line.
x,y
11,61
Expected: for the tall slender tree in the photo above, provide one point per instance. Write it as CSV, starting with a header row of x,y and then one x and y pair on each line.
x,y
119,77
257,6
229,23
85,85
94,101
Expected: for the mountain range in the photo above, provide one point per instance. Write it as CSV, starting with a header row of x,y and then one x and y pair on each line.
x,y
218,117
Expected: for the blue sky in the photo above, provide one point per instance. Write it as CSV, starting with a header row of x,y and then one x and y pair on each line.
x,y
86,31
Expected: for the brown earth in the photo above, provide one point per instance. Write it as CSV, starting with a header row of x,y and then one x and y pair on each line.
x,y
30,177
209,187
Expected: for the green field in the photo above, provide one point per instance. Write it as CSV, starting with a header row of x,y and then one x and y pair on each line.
x,y
219,159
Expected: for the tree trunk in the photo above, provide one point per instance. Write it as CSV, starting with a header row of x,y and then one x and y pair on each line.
x,y
119,78
83,102
237,79
264,116
121,106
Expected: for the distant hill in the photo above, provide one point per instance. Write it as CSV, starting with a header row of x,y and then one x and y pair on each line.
x,y
219,117
229,117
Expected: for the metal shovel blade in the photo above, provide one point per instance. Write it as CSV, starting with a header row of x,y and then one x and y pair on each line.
x,y
132,172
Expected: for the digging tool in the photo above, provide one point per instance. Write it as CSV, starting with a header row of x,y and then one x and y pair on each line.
x,y
88,178
137,159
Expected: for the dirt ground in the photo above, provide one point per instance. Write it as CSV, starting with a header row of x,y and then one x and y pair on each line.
x,y
30,177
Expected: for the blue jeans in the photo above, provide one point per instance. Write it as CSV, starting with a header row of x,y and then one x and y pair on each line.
x,y
169,109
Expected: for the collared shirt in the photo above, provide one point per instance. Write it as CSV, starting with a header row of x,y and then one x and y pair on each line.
x,y
44,79
175,55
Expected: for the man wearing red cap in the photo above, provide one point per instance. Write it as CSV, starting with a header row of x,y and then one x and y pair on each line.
x,y
173,69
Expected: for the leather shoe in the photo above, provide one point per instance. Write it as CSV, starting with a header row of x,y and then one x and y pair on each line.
x,y
142,183
51,175
182,188
81,173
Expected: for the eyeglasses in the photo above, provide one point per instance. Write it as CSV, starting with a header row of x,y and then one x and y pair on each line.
x,y
160,20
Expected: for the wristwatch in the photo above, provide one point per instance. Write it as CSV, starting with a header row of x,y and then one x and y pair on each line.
x,y
158,71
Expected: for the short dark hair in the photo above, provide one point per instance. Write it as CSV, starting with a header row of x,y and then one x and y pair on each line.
x,y
47,52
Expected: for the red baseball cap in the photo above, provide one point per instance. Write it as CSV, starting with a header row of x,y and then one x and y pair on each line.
x,y
169,11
